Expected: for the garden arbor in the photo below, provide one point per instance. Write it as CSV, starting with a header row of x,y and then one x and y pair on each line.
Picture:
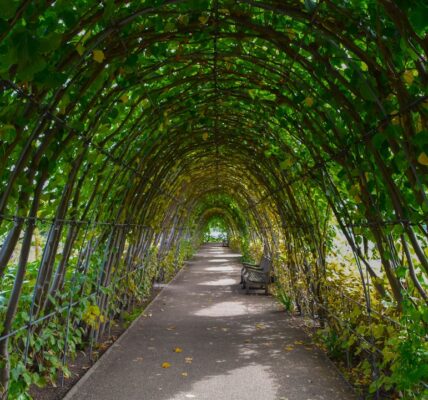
x,y
124,124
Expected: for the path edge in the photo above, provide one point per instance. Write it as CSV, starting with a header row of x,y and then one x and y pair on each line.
x,y
73,390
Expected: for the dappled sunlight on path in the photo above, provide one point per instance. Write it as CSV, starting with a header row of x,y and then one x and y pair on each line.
x,y
203,338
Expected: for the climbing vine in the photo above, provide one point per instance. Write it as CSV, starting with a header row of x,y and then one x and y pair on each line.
x,y
125,127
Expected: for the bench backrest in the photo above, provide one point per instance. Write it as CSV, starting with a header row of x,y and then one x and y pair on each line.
x,y
265,264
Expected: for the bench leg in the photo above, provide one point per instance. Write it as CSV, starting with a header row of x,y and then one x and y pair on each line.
x,y
247,289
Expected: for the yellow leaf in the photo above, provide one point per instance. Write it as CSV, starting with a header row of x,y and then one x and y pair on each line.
x,y
86,36
409,75
388,355
80,49
418,124
289,348
423,159
395,120
184,374
309,101
260,326
178,350
203,19
166,365
291,33
98,56
205,136
183,19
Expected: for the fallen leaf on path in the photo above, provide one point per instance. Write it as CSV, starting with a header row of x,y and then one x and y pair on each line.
x,y
178,350
260,326
184,373
188,360
298,342
138,359
289,348
170,328
166,365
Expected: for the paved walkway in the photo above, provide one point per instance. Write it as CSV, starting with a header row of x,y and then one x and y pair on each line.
x,y
228,346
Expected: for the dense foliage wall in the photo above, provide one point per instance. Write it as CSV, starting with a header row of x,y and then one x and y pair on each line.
x,y
125,126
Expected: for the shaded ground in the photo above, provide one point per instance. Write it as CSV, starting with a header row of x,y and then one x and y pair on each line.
x,y
230,346
82,362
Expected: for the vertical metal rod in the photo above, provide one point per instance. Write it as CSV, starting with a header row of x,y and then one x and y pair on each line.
x,y
70,306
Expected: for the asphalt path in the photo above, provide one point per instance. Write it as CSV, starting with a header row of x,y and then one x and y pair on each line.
x,y
203,338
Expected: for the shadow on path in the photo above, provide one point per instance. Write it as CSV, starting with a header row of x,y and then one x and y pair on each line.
x,y
234,346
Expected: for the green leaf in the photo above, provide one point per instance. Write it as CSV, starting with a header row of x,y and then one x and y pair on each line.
x,y
419,16
8,8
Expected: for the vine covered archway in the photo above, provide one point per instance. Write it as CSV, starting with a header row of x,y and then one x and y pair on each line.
x,y
125,126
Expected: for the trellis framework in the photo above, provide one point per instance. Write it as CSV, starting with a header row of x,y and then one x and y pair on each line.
x,y
126,124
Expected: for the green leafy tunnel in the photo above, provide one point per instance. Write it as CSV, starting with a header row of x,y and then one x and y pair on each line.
x,y
126,126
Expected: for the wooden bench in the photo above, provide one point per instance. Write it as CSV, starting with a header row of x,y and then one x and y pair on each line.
x,y
256,275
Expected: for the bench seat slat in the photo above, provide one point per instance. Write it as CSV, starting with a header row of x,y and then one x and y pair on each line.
x,y
253,274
